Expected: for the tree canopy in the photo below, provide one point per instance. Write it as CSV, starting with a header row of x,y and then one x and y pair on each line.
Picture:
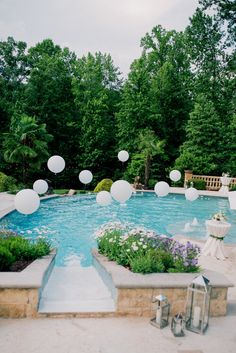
x,y
176,108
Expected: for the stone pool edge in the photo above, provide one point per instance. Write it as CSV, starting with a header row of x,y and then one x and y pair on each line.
x,y
20,291
133,292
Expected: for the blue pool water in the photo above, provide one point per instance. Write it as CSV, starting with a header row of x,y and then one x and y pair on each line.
x,y
70,222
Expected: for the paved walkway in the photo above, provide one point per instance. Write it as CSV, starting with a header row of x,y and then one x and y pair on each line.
x,y
111,335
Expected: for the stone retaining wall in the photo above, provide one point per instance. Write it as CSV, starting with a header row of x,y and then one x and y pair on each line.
x,y
20,291
138,301
133,292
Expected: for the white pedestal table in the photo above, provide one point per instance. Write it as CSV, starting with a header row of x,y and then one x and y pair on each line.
x,y
214,245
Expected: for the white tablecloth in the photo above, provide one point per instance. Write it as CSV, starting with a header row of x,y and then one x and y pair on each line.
x,y
214,245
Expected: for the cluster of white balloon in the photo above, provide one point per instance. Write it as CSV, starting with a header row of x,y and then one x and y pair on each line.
x,y
120,191
162,188
27,201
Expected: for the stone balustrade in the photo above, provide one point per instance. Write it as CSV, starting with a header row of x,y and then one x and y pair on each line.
x,y
212,182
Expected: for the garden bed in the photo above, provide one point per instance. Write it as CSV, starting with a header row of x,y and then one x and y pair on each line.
x,y
133,292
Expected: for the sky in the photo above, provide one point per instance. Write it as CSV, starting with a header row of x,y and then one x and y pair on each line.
x,y
110,26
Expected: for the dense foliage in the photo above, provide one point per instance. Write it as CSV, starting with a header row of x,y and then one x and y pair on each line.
x,y
14,248
176,108
144,251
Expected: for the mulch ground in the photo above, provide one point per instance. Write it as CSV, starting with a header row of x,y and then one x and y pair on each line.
x,y
20,265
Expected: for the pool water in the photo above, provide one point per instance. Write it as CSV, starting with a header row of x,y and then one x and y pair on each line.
x,y
70,222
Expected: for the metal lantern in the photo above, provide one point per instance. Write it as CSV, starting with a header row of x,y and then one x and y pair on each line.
x,y
177,325
198,304
162,312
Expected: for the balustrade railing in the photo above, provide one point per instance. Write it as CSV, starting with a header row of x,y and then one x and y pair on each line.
x,y
212,182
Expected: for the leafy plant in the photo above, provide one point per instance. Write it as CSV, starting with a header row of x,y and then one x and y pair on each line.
x,y
6,258
16,248
197,184
146,264
7,182
104,185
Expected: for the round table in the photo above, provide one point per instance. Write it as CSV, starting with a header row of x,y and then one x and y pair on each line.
x,y
214,245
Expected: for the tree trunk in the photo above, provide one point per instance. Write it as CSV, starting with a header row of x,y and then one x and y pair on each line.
x,y
147,170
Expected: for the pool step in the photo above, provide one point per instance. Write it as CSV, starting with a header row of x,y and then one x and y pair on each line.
x,y
75,289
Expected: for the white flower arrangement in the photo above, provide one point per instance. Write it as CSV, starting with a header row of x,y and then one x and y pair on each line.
x,y
127,230
219,217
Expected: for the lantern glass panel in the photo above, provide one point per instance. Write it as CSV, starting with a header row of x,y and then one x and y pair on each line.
x,y
165,315
177,325
162,312
197,308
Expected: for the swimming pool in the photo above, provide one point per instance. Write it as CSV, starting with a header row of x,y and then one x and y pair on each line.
x,y
70,222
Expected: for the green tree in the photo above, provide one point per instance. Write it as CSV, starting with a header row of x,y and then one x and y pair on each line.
x,y
149,146
212,62
226,11
13,76
134,112
156,94
202,149
96,87
26,144
227,159
14,71
49,97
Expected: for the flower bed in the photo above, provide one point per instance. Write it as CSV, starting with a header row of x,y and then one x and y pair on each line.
x,y
144,251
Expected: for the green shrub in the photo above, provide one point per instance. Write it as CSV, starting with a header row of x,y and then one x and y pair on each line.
x,y
164,257
146,264
6,258
7,182
151,183
40,248
233,188
104,185
17,248
197,184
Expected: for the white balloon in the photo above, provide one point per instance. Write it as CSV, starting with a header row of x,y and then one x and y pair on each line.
x,y
27,201
121,190
85,176
40,186
56,164
191,194
103,198
175,175
123,156
162,188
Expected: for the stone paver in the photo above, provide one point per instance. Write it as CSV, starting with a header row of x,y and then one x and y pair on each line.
x,y
111,335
